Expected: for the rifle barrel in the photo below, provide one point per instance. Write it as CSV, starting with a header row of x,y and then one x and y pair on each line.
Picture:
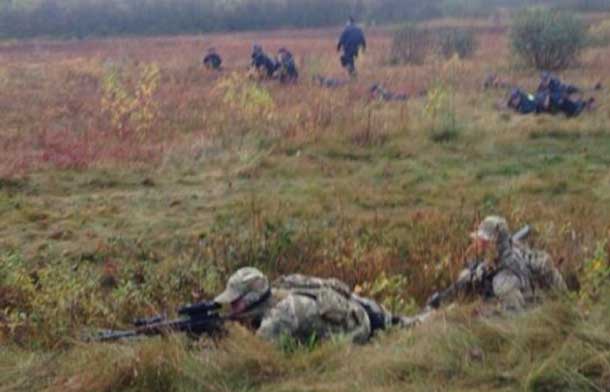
x,y
193,326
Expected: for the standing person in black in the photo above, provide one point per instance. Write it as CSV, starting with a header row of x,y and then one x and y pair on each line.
x,y
351,41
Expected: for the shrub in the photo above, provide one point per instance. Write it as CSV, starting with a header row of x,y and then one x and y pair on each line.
x,y
250,99
547,39
456,41
440,112
595,274
410,45
599,34
129,98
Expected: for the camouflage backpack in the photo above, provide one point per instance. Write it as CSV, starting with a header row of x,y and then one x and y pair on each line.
x,y
310,285
333,295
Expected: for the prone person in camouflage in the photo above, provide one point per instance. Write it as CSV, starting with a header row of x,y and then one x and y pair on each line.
x,y
520,274
301,307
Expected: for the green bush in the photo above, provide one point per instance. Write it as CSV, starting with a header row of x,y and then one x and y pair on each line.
x,y
599,34
456,41
547,39
410,45
440,112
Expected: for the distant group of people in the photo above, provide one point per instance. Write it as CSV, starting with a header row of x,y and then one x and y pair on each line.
x,y
552,96
283,66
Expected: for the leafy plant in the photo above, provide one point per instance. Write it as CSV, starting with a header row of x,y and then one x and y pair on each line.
x,y
460,42
410,45
129,99
547,39
441,114
595,275
247,96
392,290
599,34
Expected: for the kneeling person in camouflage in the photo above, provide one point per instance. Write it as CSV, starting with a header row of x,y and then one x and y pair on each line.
x,y
515,275
520,274
301,307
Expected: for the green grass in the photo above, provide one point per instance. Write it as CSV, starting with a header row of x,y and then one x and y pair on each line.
x,y
551,348
328,184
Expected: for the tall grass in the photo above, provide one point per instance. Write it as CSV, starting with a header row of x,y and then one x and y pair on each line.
x,y
550,348
104,220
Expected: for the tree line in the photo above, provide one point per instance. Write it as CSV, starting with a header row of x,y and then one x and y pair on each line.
x,y
82,18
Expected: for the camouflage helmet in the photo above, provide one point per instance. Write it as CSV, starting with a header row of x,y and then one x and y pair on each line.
x,y
491,228
256,48
248,284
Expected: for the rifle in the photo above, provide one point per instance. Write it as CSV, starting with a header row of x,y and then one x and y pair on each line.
x,y
477,279
199,319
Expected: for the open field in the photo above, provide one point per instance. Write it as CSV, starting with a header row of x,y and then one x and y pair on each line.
x,y
132,181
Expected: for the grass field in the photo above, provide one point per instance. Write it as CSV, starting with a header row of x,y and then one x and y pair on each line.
x,y
132,181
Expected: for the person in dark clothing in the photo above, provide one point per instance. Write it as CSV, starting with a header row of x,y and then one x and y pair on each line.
x,y
262,63
286,67
542,102
552,84
351,41
572,108
212,60
556,92
524,103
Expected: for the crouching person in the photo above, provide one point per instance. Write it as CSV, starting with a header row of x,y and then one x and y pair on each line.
x,y
212,60
521,275
300,307
286,67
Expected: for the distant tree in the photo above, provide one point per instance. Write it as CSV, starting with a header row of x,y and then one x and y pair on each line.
x,y
410,45
80,18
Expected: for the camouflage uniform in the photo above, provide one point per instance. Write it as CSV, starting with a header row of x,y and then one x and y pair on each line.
x,y
521,273
301,306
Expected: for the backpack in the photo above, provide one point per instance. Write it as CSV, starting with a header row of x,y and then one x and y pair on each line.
x,y
315,287
302,284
